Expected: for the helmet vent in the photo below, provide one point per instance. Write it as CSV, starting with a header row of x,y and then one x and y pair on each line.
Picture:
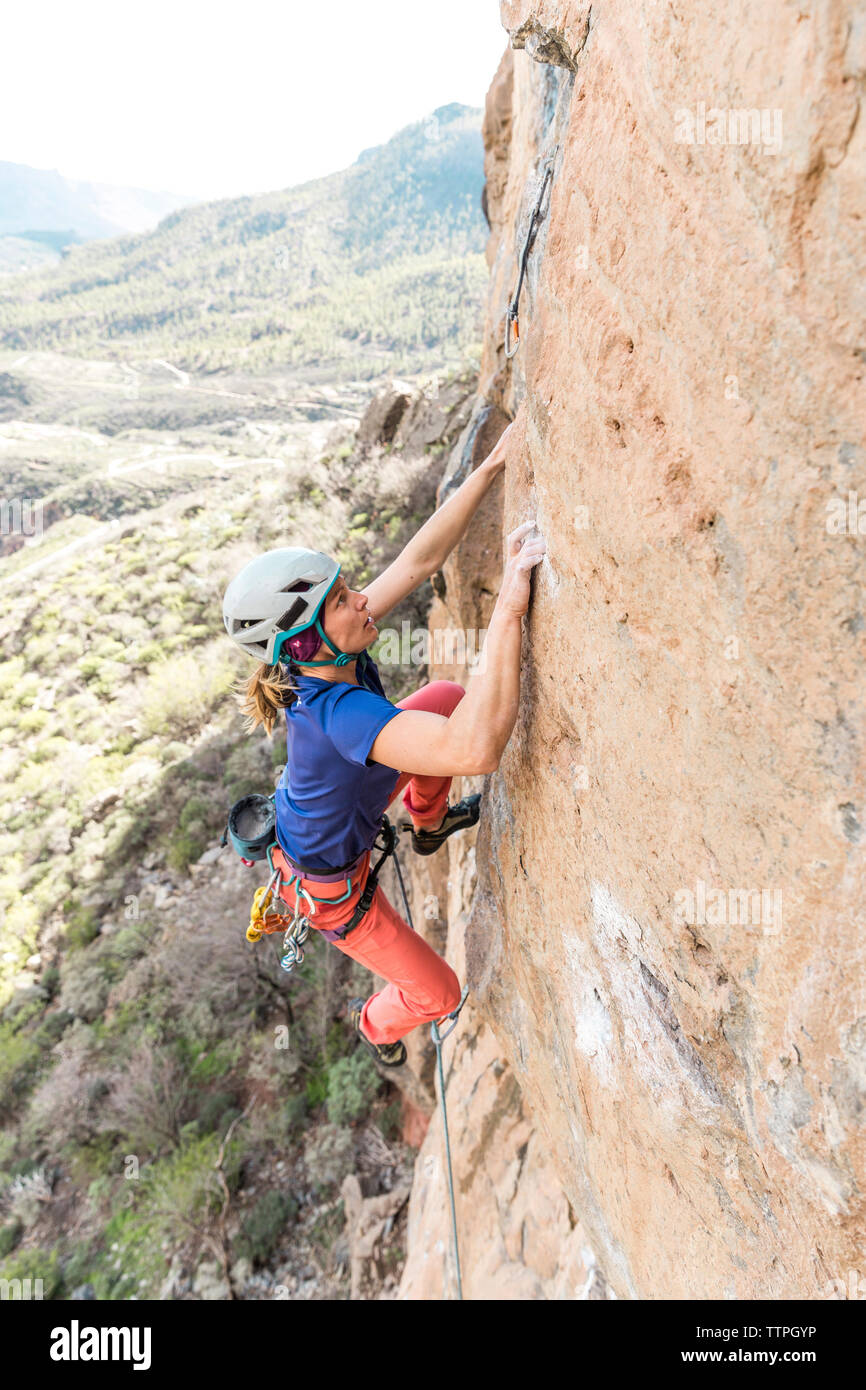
x,y
300,586
291,615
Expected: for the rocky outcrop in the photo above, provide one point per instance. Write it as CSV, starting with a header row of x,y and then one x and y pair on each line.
x,y
369,1220
660,920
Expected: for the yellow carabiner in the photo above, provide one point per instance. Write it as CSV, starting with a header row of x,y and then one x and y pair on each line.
x,y
257,912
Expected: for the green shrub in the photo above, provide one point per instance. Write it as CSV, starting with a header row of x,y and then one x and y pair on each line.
x,y
124,743
353,1083
39,649
295,1110
34,1265
195,829
185,849
24,692
51,747
96,1157
82,1266
86,982
22,1009
317,1087
246,770
337,1042
263,1225
328,1224
20,1060
217,1111
32,721
196,812
390,1121
23,1167
183,1187
172,752
90,666
110,650
50,979
8,1146
182,691
82,927
147,655
10,1234
52,1027
209,1064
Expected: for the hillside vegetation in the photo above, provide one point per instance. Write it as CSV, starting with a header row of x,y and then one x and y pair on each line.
x,y
376,268
177,1114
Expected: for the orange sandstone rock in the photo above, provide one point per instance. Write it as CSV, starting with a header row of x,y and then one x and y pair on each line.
x,y
662,920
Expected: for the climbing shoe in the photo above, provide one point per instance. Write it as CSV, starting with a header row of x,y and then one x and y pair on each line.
x,y
389,1054
458,817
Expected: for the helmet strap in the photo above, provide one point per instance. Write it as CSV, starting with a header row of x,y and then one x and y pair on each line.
x,y
342,658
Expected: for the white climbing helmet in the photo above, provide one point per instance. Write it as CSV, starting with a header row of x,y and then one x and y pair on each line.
x,y
276,596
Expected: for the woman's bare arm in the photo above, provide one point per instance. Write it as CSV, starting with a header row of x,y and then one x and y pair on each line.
x,y
472,740
433,542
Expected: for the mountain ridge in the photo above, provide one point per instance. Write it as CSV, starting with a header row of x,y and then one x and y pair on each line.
x,y
45,200
315,273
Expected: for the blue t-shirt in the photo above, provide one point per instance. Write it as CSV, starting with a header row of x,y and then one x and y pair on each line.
x,y
330,800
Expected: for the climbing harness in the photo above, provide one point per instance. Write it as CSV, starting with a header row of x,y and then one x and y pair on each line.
x,y
251,830
267,918
388,847
512,317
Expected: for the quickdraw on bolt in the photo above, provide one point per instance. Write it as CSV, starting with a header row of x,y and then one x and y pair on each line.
x,y
265,918
512,317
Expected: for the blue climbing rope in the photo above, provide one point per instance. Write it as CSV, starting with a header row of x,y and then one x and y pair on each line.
x,y
403,890
438,1040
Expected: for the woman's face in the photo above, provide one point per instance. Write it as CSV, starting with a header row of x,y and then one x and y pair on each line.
x,y
346,619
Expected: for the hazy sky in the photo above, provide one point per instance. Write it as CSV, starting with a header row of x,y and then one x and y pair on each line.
x,y
214,99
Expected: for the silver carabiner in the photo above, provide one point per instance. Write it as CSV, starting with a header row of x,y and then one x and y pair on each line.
x,y
269,892
301,892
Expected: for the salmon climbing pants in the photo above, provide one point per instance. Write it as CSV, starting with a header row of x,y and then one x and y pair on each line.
x,y
421,986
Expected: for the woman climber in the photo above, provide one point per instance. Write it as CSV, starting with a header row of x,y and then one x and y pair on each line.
x,y
350,751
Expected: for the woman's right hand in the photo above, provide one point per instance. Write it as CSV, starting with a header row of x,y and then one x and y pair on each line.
x,y
524,552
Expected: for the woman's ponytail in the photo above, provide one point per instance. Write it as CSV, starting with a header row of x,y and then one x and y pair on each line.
x,y
268,691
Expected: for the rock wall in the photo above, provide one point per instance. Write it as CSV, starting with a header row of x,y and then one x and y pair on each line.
x,y
658,1088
